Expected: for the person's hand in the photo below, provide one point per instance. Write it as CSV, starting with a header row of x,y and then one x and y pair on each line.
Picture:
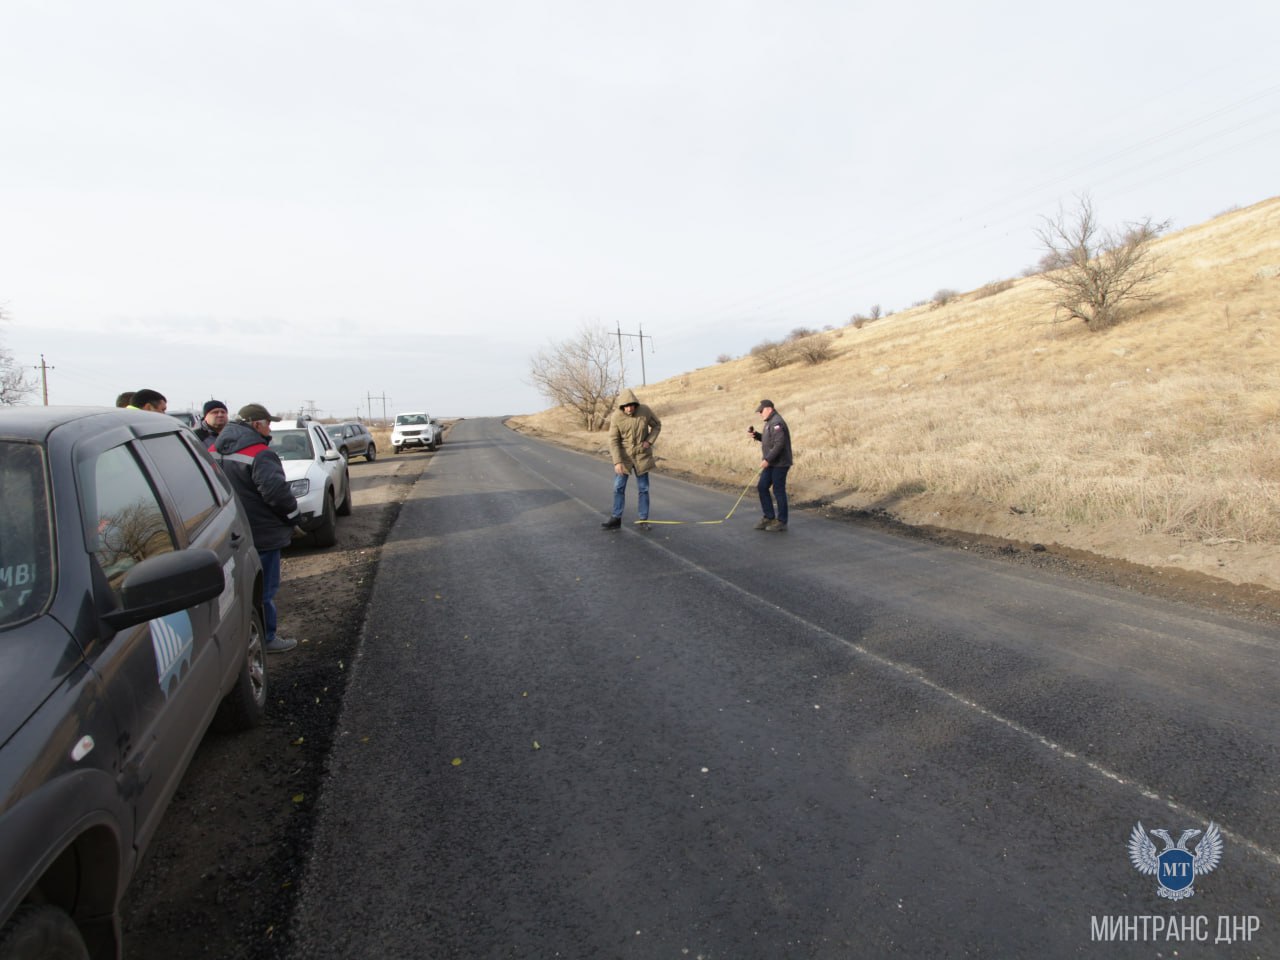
x,y
763,464
619,469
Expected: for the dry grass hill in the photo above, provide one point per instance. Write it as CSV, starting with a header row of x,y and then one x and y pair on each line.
x,y
1156,441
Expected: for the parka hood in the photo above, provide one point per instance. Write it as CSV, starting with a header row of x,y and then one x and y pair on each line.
x,y
236,437
627,396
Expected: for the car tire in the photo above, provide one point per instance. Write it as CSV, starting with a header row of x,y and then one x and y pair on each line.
x,y
346,454
245,705
344,508
431,447
41,932
326,534
396,449
371,454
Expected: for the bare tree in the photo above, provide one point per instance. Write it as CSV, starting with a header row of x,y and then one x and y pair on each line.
x,y
1096,272
582,374
15,385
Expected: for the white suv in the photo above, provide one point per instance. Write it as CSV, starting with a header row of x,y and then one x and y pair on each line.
x,y
317,476
415,430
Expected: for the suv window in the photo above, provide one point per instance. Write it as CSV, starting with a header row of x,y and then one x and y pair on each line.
x,y
122,514
184,479
292,444
26,554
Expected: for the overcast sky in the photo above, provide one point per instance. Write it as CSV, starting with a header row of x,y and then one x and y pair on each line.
x,y
316,202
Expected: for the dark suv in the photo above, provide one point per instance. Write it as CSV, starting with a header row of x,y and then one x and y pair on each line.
x,y
130,621
352,440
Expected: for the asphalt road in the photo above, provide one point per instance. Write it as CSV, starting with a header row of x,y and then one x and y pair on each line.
x,y
707,741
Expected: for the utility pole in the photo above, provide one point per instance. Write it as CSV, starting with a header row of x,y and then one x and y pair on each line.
x,y
642,337
383,398
44,369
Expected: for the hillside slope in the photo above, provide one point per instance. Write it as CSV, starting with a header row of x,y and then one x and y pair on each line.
x,y
1155,442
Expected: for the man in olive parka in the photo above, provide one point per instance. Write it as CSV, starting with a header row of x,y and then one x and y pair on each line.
x,y
633,429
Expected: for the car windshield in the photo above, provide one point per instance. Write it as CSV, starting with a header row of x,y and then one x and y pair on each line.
x,y
292,444
26,553
411,418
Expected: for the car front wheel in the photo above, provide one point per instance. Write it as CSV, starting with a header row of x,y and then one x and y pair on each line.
x,y
41,932
371,454
326,534
245,705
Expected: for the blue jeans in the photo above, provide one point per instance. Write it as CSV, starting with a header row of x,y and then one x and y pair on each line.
x,y
620,491
270,584
775,477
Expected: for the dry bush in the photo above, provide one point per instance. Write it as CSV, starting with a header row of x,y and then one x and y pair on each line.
x,y
771,354
944,296
815,349
991,289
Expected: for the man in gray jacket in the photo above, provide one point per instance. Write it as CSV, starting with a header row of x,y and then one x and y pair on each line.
x,y
775,453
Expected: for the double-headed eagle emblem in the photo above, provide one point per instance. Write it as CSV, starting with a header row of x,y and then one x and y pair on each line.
x,y
1175,867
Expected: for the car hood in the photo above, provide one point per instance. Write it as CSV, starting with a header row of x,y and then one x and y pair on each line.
x,y
35,659
298,469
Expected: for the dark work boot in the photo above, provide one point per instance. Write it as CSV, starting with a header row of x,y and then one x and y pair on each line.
x,y
613,523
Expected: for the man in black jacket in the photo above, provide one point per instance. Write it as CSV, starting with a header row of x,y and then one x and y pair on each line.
x,y
256,475
775,453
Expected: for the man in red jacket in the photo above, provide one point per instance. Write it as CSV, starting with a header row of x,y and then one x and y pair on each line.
x,y
258,480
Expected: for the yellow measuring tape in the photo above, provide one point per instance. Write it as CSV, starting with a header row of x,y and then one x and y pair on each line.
x,y
676,523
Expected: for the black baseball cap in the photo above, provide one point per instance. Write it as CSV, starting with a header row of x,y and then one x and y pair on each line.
x,y
763,404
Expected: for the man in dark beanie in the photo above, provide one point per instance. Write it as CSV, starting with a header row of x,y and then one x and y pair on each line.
x,y
257,477
213,419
